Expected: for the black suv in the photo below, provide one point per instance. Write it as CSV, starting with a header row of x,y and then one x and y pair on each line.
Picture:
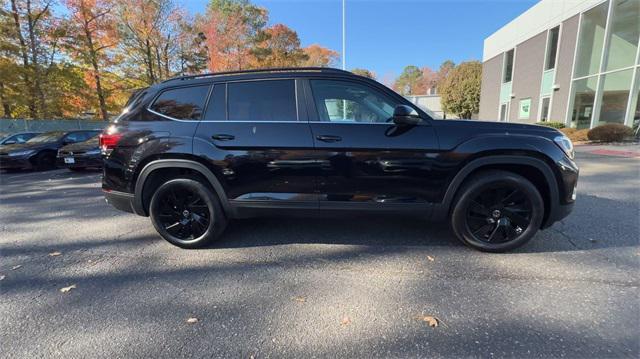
x,y
194,152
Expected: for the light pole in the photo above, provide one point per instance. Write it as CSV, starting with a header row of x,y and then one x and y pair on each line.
x,y
344,35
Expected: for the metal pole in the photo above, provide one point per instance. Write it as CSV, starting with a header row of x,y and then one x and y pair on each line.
x,y
344,52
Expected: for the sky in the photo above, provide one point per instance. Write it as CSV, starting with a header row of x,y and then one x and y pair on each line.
x,y
386,35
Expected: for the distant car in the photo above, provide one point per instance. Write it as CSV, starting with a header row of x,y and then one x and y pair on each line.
x,y
40,151
81,155
13,138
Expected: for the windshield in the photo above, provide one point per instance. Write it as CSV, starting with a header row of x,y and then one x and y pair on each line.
x,y
47,137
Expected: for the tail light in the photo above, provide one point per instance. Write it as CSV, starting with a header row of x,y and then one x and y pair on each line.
x,y
108,141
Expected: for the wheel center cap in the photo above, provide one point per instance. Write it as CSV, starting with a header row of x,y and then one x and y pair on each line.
x,y
496,213
185,213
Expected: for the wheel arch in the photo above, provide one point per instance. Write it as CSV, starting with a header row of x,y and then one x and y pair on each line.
x,y
534,169
141,199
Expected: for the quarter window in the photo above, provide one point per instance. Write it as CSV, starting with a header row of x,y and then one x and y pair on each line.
x,y
185,103
267,100
344,101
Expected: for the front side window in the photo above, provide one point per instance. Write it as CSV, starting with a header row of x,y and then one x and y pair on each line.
x,y
184,103
345,101
266,100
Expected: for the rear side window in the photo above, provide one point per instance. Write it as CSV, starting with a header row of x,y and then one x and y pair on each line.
x,y
185,103
268,100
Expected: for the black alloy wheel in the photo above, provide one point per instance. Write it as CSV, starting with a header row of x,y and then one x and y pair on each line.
x,y
186,213
497,211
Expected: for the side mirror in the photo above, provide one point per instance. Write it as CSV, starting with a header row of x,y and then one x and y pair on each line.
x,y
405,115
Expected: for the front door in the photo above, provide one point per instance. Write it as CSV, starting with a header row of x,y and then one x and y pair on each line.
x,y
258,136
367,161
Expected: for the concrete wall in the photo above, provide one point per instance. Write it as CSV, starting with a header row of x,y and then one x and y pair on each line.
x,y
564,65
490,90
543,15
527,76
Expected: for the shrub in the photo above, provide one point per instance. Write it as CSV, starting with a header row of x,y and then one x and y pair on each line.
x,y
551,124
575,135
611,132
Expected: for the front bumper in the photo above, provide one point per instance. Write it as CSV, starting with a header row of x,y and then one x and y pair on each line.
x,y
8,162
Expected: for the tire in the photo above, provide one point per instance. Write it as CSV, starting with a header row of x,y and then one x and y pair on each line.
x,y
45,161
491,209
187,213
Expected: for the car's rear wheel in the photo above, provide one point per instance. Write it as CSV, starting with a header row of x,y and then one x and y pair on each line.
x,y
497,211
187,213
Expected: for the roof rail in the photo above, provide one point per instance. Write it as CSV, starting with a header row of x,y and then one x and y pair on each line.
x,y
266,70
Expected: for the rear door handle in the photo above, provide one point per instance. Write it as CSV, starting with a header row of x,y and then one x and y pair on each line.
x,y
223,137
328,138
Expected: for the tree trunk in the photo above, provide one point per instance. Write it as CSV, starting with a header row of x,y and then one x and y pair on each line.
x,y
33,112
5,106
96,72
149,62
37,81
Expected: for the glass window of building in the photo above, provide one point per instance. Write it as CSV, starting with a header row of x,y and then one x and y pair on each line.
x,y
508,67
590,44
624,33
615,95
552,48
583,100
544,109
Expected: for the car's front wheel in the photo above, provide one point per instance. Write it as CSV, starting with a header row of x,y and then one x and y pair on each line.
x,y
187,213
497,211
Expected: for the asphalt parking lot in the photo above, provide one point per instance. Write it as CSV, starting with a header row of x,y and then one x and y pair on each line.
x,y
314,287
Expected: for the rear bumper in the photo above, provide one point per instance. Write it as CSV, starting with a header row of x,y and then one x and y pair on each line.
x,y
119,200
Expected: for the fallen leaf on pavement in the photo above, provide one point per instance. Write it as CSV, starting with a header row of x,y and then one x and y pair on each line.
x,y
345,321
54,254
430,258
2,277
300,299
16,267
430,320
68,289
192,320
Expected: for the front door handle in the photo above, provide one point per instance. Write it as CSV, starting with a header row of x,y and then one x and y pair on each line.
x,y
223,137
328,138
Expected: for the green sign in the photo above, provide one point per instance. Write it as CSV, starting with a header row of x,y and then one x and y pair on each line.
x,y
525,109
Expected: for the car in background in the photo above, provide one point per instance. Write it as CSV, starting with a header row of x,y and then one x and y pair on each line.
x,y
13,138
80,156
40,151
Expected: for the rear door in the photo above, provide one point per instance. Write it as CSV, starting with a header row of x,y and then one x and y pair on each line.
x,y
257,134
368,161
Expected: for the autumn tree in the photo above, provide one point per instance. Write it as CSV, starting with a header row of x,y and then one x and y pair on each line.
x,y
408,83
92,33
280,47
35,33
443,71
460,91
233,28
364,72
318,56
427,83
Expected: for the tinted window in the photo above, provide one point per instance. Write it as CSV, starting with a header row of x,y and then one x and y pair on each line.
x,y
216,109
47,137
80,136
344,101
184,103
269,100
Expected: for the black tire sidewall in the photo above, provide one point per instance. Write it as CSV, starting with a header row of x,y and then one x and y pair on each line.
x,y
473,188
217,222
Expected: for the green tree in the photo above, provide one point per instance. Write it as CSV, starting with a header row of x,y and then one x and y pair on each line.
x,y
408,81
460,91
365,73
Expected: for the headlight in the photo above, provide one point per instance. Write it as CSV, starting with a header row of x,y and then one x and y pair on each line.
x,y
93,152
565,143
21,153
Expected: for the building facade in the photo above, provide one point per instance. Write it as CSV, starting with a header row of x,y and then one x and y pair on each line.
x,y
570,61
